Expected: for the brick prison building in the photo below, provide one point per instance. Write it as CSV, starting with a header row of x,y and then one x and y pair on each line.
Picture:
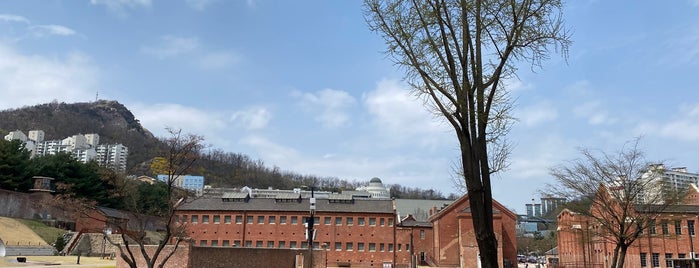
x,y
668,241
359,232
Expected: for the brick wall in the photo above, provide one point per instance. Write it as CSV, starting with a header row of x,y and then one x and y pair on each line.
x,y
219,257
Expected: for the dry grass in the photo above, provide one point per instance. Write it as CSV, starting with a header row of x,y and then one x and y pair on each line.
x,y
58,261
13,232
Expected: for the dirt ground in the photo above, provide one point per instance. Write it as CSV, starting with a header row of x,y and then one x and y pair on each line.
x,y
57,261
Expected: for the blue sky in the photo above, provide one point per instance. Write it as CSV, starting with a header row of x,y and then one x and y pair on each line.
x,y
303,85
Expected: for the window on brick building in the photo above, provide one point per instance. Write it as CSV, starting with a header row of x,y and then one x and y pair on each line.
x,y
665,228
195,219
214,243
655,259
407,247
316,220
294,220
248,243
381,247
236,243
390,222
292,244
690,227
316,245
270,244
372,221
248,219
681,255
217,219
327,220
258,244
202,243
282,219
360,246
372,247
678,227
360,221
205,219
644,260
338,220
281,244
350,221
422,234
400,247
338,246
184,218
349,246
390,247
651,227
668,260
226,243
382,221
260,219
238,219
272,219
227,219
304,244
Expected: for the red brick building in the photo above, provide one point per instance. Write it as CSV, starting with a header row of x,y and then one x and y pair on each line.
x,y
455,241
670,241
358,232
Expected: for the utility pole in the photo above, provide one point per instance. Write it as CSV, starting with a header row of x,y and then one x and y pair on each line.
x,y
310,228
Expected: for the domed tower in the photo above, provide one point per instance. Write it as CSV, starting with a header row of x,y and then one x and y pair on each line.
x,y
376,189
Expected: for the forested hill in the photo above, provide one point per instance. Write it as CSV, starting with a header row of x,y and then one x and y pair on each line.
x,y
116,124
110,119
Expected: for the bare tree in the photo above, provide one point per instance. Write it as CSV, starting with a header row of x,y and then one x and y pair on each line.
x,y
456,54
182,150
620,193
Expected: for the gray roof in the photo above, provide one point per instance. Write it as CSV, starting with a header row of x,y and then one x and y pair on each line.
x,y
234,195
691,209
113,213
419,208
269,204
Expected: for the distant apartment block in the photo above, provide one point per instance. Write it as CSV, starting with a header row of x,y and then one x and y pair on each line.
x,y
189,182
84,148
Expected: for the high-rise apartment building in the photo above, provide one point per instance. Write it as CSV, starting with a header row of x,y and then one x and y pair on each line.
x,y
112,156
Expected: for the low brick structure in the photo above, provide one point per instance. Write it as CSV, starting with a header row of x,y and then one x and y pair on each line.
x,y
220,257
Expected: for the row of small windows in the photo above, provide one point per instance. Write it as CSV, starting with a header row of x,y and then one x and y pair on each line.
x,y
665,227
338,246
349,221
655,259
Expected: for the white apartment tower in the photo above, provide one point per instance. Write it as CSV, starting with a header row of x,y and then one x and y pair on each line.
x,y
93,139
16,135
36,135
112,156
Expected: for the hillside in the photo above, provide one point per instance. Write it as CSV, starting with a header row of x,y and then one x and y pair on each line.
x,y
116,124
110,119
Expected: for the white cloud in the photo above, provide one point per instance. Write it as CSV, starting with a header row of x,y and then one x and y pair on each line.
x,y
331,106
200,5
595,113
32,79
171,46
216,60
13,18
119,6
156,117
252,118
189,48
537,113
44,30
36,31
683,128
403,118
